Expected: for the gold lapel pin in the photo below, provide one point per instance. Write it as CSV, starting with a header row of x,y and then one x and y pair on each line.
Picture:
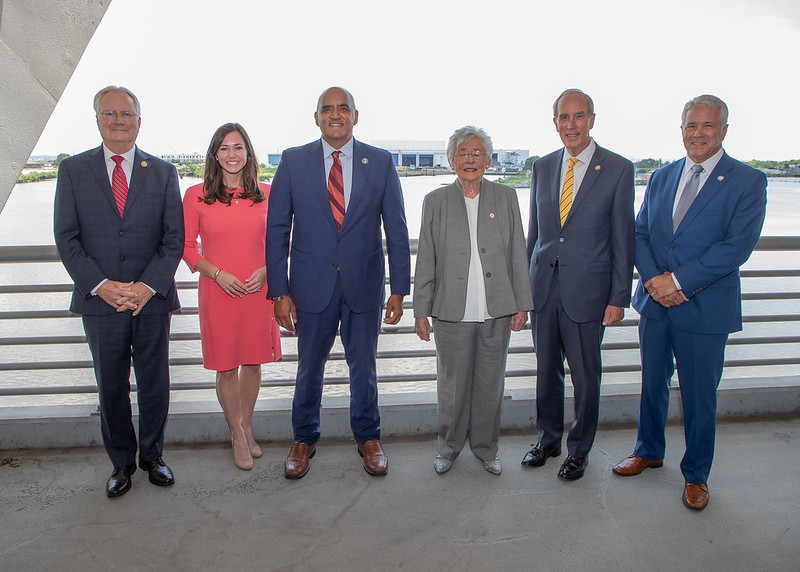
x,y
597,167
491,215
720,178
364,161
143,163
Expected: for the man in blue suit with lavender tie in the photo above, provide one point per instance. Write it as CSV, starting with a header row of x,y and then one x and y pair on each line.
x,y
118,225
699,222
336,270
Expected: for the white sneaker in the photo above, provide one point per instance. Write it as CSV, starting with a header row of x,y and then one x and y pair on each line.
x,y
493,466
441,465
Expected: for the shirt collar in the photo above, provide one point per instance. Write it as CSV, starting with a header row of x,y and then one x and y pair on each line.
x,y
584,156
708,164
346,149
128,155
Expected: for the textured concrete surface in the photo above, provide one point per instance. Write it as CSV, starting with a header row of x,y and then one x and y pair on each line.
x,y
402,414
55,514
42,43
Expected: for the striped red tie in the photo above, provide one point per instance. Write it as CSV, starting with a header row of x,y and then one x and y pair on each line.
x,y
119,184
336,190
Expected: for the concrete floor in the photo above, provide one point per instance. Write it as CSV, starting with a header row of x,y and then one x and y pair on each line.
x,y
55,514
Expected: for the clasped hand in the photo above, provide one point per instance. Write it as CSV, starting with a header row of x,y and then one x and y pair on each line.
x,y
124,296
663,290
234,287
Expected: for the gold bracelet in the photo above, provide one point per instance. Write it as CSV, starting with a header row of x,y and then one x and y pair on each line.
x,y
216,273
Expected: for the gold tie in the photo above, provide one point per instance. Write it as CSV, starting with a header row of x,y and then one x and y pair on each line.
x,y
566,192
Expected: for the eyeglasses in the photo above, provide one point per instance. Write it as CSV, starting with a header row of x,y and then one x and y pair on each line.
x,y
475,155
111,115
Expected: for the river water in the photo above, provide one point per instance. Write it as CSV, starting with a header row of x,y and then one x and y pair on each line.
x,y
27,220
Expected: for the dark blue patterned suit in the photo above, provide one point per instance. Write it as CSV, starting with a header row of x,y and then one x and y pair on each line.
x,y
143,245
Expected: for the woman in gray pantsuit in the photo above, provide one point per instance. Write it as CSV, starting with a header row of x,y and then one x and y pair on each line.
x,y
472,278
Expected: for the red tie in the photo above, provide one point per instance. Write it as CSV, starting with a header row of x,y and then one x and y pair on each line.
x,y
336,190
119,184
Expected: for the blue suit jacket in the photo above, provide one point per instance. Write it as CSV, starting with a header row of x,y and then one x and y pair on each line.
x,y
715,237
299,207
594,247
144,244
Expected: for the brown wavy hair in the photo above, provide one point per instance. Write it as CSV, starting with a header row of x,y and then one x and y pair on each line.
x,y
213,188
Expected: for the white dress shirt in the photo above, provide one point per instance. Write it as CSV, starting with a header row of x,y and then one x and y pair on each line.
x,y
579,170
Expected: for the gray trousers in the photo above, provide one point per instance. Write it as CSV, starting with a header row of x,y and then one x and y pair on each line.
x,y
470,373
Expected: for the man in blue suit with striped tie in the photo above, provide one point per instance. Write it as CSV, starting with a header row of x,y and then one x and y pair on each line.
x,y
699,222
331,197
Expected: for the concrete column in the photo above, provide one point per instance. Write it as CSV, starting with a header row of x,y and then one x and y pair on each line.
x,y
41,43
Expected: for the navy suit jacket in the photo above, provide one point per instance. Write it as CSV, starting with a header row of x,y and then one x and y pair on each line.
x,y
299,209
594,247
145,244
715,237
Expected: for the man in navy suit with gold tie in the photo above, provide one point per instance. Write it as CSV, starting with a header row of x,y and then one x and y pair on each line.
x,y
118,227
699,222
580,246
331,197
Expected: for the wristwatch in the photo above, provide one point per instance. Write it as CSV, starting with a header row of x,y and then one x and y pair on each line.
x,y
279,298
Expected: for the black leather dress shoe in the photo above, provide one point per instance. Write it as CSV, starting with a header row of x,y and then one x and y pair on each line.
x,y
537,456
158,472
119,482
573,468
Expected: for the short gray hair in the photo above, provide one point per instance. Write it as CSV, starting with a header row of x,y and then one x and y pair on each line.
x,y
569,91
109,89
464,134
708,101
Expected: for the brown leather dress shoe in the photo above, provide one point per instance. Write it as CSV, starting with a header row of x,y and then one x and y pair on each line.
x,y
296,464
375,460
633,465
695,496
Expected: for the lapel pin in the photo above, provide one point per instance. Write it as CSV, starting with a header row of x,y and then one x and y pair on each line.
x,y
491,215
720,178
597,167
143,163
364,161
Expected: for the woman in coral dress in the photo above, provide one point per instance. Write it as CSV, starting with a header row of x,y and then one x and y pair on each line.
x,y
238,331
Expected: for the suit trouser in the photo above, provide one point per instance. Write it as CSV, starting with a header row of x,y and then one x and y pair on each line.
x,y
113,340
555,336
699,359
470,377
316,332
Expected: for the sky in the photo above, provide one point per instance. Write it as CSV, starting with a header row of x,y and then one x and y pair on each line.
x,y
419,69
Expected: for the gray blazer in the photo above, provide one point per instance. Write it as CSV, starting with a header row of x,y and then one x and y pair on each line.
x,y
443,257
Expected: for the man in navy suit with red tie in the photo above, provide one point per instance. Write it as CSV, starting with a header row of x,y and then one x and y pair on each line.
x,y
118,227
699,222
331,197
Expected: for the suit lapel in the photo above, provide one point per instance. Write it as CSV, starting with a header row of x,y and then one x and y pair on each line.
x,y
555,184
97,163
711,187
593,170
670,190
360,170
139,172
318,184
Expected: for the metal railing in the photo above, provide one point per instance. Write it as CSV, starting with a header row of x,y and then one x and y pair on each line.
x,y
44,254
